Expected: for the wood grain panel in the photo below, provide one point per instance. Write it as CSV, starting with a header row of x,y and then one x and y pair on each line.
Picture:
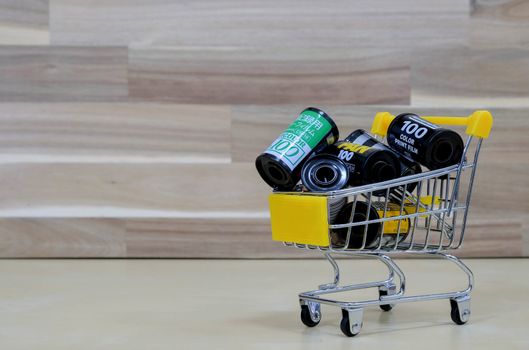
x,y
205,238
492,235
293,23
500,24
114,132
129,190
475,77
525,239
33,73
269,76
133,237
64,237
251,238
24,22
503,186
502,182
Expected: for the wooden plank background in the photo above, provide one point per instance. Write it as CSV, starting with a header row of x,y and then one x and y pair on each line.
x,y
129,128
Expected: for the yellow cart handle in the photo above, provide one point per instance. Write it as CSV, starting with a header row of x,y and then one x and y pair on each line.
x,y
478,123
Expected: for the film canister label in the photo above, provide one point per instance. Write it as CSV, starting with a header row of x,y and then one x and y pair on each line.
x,y
407,166
410,134
300,138
430,145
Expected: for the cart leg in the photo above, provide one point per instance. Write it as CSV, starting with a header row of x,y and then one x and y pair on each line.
x,y
393,269
464,268
351,321
460,303
389,289
336,270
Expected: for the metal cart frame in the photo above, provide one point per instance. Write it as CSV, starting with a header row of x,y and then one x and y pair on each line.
x,y
433,207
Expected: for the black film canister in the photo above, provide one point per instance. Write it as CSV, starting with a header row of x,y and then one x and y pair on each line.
x,y
392,229
407,166
366,164
324,173
430,145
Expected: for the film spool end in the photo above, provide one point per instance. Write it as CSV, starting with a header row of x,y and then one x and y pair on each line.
x,y
273,174
324,173
383,172
442,152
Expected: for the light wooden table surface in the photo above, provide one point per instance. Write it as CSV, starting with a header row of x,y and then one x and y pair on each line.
x,y
231,304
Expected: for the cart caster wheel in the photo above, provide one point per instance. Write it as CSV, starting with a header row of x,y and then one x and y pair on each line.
x,y
386,307
460,310
383,291
351,322
310,314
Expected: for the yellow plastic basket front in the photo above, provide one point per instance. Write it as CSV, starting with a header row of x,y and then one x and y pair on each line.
x,y
299,219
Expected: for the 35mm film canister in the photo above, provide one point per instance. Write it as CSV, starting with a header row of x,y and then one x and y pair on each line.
x,y
374,230
432,146
366,164
335,205
344,164
407,166
325,173
280,164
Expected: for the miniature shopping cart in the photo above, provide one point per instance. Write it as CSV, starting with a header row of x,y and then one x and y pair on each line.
x,y
418,214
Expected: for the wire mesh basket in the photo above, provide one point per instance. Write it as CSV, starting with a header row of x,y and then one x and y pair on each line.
x,y
424,213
